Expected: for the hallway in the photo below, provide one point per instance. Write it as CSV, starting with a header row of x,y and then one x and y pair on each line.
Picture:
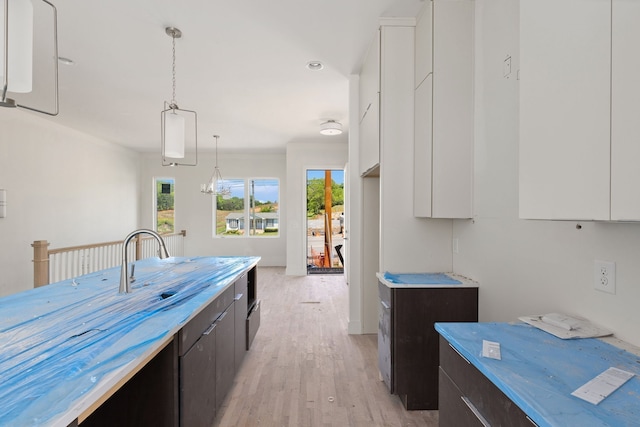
x,y
304,370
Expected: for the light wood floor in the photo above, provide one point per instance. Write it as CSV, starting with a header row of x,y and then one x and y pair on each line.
x,y
304,370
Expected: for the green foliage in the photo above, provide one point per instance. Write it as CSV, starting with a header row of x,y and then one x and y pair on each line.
x,y
315,195
232,204
165,202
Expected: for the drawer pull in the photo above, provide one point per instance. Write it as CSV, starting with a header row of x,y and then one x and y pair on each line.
x,y
238,297
531,421
385,305
475,411
459,354
211,328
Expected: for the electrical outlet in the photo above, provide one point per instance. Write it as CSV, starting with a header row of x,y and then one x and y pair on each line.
x,y
604,276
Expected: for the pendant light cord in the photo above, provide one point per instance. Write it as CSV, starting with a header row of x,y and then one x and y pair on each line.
x,y
173,71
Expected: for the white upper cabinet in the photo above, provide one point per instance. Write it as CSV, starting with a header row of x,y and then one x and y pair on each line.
x,y
625,120
370,108
443,122
565,63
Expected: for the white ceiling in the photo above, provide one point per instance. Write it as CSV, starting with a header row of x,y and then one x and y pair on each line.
x,y
241,65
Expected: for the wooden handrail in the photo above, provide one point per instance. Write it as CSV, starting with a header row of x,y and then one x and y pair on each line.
x,y
42,253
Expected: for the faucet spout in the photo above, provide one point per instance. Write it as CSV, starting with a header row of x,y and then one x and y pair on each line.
x,y
125,283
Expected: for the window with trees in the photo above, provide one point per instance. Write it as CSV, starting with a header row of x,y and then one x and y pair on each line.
x,y
164,201
259,217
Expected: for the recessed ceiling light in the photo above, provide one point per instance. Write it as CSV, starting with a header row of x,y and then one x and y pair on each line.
x,y
66,61
315,65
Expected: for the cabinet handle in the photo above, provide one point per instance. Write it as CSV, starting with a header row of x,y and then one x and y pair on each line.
x,y
211,328
385,305
531,421
238,296
221,316
459,354
475,411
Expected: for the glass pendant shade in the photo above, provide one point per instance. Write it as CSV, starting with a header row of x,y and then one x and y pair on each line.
x,y
174,135
19,47
29,55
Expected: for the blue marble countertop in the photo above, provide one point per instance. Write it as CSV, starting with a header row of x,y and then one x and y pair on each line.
x,y
538,372
62,346
424,280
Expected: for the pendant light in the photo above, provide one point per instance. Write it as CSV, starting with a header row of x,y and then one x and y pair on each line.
x,y
179,127
18,66
216,186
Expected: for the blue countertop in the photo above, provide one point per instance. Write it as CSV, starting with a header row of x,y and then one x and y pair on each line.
x,y
538,372
62,346
424,280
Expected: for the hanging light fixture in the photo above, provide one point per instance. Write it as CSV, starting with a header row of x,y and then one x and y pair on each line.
x,y
179,127
18,66
216,186
331,127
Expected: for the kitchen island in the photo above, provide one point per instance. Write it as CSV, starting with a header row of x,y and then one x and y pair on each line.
x,y
533,381
71,348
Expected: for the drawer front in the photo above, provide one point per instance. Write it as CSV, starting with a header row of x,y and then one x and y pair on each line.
x,y
453,411
478,392
253,323
240,286
191,332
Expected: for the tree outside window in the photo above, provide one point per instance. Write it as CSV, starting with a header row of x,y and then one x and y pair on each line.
x,y
165,207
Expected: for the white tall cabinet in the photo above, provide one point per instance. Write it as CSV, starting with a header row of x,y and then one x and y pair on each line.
x,y
578,131
369,113
625,120
443,124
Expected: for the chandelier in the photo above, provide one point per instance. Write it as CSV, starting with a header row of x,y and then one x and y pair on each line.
x,y
216,186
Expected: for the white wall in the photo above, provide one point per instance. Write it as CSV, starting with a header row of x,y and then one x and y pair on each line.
x,y
532,267
330,153
62,186
194,210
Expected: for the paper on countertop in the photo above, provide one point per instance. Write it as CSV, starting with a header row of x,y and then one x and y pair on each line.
x,y
565,326
491,349
599,388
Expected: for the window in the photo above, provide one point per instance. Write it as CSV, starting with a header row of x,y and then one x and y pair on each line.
x,y
258,218
164,201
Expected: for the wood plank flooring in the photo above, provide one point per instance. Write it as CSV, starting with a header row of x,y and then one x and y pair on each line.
x,y
304,370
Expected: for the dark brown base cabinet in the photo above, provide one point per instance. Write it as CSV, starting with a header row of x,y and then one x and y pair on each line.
x,y
468,398
408,343
186,383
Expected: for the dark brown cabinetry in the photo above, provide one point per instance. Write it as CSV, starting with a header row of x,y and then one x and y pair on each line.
x,y
468,398
408,356
187,381
241,311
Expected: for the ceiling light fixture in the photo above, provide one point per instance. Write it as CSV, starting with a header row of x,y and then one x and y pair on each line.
x,y
331,127
216,183
18,36
315,65
179,127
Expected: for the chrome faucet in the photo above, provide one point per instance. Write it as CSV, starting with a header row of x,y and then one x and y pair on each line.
x,y
125,283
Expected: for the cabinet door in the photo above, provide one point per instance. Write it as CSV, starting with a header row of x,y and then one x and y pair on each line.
x,y
384,336
565,48
198,382
423,46
422,149
370,108
240,309
625,96
452,186
225,354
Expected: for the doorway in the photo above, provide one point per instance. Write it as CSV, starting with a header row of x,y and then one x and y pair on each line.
x,y
325,221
